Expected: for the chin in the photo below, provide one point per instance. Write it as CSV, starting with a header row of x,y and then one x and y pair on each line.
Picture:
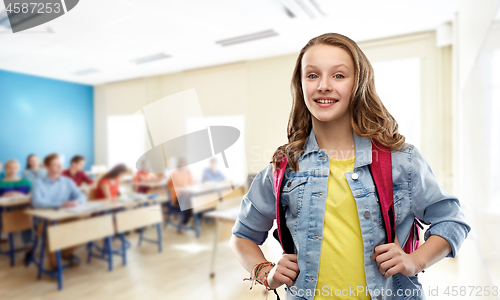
x,y
326,118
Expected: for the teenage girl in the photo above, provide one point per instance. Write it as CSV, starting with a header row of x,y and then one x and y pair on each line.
x,y
108,186
329,196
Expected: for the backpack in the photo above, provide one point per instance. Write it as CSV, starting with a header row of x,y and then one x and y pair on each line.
x,y
381,171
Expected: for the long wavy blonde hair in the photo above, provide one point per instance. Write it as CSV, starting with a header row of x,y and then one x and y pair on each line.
x,y
369,117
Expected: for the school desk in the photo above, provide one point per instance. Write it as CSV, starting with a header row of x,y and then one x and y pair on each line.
x,y
204,197
207,187
151,184
97,217
224,220
13,220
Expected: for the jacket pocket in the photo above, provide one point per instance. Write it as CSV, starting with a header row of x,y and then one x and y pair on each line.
x,y
292,194
398,195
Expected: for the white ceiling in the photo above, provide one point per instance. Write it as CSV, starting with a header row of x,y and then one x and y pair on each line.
x,y
108,34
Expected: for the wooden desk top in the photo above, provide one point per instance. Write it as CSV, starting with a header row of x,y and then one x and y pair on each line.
x,y
204,187
227,209
230,214
152,184
14,201
57,214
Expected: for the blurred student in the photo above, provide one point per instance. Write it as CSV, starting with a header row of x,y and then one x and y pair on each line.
x,y
144,174
76,172
56,191
211,173
13,185
108,186
179,178
34,169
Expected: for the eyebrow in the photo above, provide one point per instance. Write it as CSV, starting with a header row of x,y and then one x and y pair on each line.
x,y
334,66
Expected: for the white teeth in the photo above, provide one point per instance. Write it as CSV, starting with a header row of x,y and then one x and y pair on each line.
x,y
325,101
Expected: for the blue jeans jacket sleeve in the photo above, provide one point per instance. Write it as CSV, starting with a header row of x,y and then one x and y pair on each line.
x,y
257,211
432,204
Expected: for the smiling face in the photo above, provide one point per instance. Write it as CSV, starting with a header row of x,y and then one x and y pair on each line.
x,y
78,166
11,168
54,167
327,81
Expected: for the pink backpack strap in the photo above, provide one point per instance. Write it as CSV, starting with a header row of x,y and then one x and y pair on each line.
x,y
278,175
414,239
381,168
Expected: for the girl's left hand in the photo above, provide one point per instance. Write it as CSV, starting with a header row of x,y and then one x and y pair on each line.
x,y
13,194
391,259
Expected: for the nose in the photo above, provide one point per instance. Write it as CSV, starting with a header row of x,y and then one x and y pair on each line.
x,y
324,85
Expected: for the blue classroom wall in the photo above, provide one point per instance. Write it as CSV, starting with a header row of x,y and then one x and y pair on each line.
x,y
41,116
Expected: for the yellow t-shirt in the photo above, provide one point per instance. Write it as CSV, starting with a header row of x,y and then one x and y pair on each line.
x,y
341,265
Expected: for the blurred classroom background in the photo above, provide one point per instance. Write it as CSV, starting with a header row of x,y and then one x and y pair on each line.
x,y
75,93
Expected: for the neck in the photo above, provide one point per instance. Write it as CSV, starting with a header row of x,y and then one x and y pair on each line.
x,y
72,170
35,168
10,177
335,137
53,176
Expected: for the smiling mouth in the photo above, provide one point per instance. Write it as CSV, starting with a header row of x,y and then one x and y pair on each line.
x,y
325,101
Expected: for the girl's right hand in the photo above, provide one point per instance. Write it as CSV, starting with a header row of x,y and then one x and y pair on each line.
x,y
284,272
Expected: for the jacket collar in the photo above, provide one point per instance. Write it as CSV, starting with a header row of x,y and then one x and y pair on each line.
x,y
363,147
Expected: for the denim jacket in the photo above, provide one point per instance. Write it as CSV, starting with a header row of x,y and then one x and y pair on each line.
x,y
417,193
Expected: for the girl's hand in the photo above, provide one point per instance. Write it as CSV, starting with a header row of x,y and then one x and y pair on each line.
x,y
13,194
391,259
284,272
70,203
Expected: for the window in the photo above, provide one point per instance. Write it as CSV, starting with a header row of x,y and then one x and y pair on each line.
x,y
124,134
397,83
494,130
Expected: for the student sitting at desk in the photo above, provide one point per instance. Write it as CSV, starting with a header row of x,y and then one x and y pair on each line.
x,y
34,169
76,172
108,186
13,185
56,191
211,173
178,179
144,174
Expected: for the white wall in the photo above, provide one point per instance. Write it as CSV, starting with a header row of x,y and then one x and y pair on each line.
x,y
257,89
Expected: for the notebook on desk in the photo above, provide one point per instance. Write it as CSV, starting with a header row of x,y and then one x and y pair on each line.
x,y
14,198
133,197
